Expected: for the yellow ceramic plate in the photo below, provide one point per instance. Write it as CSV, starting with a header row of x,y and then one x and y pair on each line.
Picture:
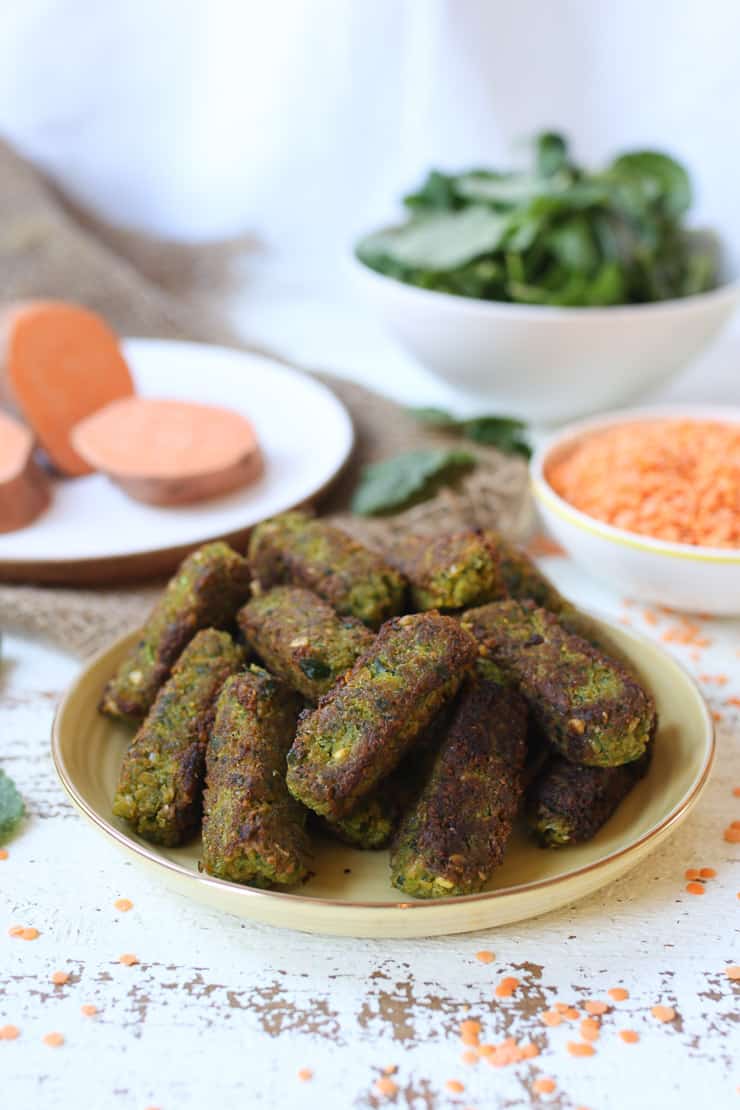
x,y
350,893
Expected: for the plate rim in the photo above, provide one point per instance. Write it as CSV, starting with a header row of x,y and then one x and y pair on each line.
x,y
150,855
51,569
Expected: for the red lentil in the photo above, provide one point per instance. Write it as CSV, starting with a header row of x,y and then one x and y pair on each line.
x,y
675,480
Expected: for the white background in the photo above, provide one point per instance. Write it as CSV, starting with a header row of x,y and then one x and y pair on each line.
x,y
301,121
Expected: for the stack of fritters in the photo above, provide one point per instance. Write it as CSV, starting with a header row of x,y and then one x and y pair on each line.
x,y
383,707
595,718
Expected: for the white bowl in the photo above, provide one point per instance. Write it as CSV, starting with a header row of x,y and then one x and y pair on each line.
x,y
680,576
547,364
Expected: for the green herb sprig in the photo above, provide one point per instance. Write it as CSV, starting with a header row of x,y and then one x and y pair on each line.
x,y
504,432
404,480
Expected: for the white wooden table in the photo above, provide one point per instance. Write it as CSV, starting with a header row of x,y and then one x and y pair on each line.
x,y
221,1013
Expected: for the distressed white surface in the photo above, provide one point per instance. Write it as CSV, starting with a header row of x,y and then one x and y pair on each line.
x,y
221,1013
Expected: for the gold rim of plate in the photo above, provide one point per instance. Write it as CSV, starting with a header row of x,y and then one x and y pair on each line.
x,y
684,754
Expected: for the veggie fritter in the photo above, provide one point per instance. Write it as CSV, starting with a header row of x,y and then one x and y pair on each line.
x,y
375,818
363,727
523,580
299,550
453,839
588,705
300,638
373,821
458,570
451,571
207,590
161,780
253,830
568,803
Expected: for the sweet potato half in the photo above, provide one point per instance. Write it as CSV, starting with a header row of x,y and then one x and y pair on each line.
x,y
166,452
59,362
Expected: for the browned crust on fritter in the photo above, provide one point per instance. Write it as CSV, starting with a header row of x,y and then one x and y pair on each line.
x,y
207,589
363,727
302,639
568,802
451,571
296,548
161,779
455,836
550,666
253,830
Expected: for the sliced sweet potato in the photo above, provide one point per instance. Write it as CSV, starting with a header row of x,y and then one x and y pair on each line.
x,y
59,362
24,489
170,452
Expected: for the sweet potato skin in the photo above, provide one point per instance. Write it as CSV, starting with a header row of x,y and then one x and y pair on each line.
x,y
24,488
188,491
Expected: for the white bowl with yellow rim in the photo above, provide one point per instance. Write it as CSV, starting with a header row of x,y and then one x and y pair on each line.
x,y
681,576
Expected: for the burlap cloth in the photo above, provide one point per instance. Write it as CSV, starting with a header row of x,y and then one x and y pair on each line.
x,y
144,287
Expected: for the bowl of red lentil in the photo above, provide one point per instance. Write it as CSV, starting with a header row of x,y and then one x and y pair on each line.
x,y
648,500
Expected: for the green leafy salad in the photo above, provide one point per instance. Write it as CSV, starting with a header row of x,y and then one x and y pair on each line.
x,y
558,234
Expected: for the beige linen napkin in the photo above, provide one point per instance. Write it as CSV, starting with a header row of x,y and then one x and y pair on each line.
x,y
145,287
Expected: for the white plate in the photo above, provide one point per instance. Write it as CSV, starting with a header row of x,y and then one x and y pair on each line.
x,y
306,436
350,893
